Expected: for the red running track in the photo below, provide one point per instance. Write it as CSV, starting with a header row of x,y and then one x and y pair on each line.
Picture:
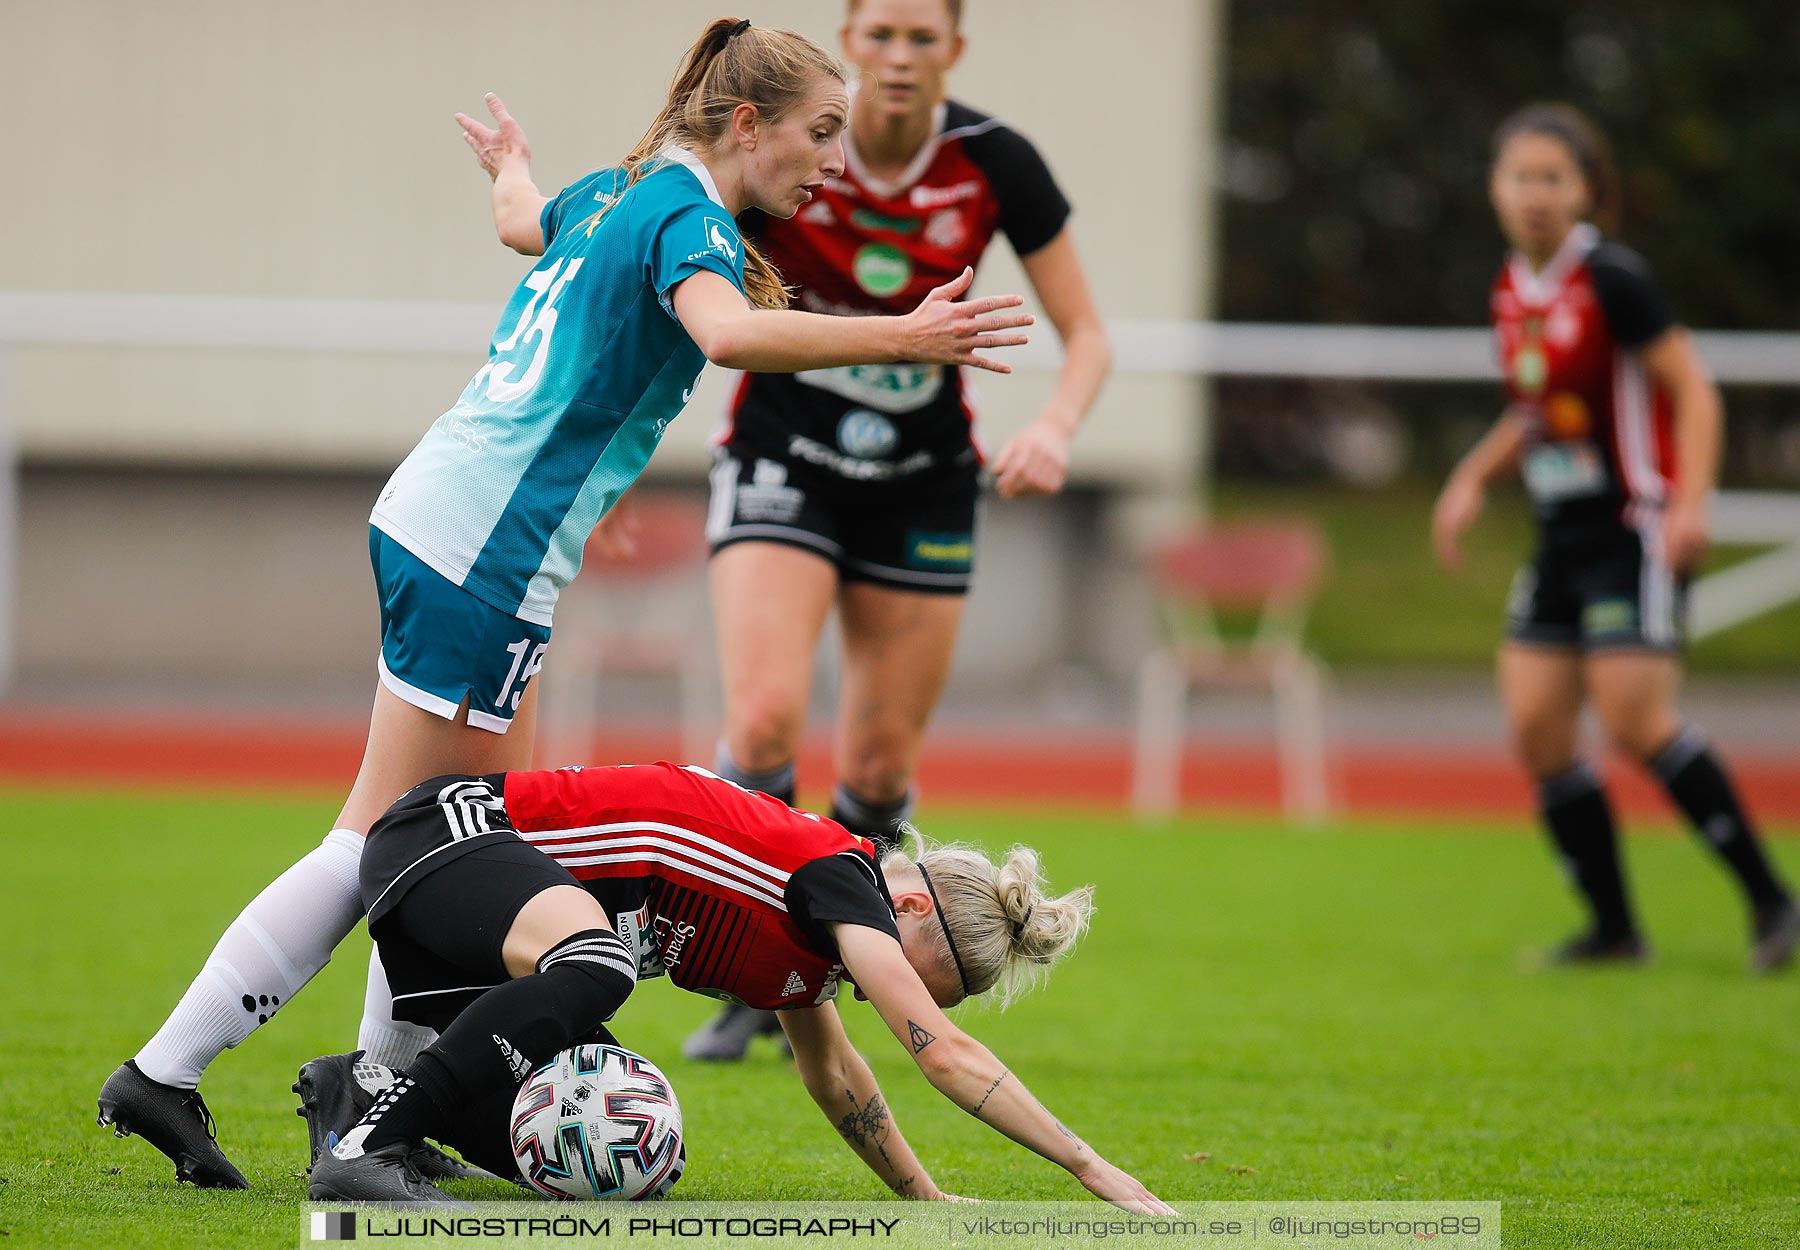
x,y
1093,771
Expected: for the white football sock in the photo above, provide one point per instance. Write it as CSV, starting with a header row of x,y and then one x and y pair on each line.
x,y
274,947
382,1038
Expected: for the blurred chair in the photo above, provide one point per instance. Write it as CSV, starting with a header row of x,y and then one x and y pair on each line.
x,y
645,614
1272,569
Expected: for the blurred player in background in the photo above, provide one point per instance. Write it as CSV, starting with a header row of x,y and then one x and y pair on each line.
x,y
645,279
856,488
1616,425
520,925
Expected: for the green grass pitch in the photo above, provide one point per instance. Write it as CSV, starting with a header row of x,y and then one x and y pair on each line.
x,y
1258,1014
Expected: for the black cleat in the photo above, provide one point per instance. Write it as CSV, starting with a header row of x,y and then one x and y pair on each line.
x,y
333,1097
350,1174
1596,948
726,1037
336,1091
434,1165
173,1120
1774,935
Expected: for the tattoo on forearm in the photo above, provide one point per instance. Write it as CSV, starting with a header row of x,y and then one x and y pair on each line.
x,y
865,1124
1063,1129
868,1125
976,1110
920,1038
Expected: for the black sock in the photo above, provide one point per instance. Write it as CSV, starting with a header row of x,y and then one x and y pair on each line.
x,y
481,1131
416,1106
505,1033
1580,821
1696,780
879,822
777,782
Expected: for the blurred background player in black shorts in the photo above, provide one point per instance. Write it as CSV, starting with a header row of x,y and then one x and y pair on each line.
x,y
1615,424
857,487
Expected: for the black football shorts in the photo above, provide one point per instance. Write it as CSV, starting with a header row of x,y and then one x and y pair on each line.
x,y
444,876
912,533
1599,586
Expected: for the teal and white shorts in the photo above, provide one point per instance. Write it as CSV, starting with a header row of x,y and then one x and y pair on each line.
x,y
442,646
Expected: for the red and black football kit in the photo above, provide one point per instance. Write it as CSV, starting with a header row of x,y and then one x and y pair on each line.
x,y
875,467
728,892
1599,465
1599,452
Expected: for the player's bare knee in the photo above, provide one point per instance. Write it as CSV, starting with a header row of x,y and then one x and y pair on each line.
x,y
545,922
1546,750
765,733
879,775
1639,737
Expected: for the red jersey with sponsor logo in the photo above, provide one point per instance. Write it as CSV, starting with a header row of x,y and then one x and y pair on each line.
x,y
727,891
864,246
1569,338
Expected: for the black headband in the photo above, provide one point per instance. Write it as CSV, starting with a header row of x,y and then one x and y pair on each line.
x,y
739,29
945,924
1019,925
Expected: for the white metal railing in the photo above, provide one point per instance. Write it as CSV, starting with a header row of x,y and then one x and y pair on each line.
x,y
1227,349
1760,584
1222,349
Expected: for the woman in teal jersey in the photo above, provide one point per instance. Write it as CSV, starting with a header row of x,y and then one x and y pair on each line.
x,y
644,279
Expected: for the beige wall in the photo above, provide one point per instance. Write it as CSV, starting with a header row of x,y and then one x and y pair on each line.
x,y
219,147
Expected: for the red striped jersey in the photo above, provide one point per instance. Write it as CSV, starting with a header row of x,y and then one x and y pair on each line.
x,y
864,245
727,891
1570,338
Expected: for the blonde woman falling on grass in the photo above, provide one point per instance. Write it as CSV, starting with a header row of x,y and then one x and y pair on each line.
x,y
520,926
644,278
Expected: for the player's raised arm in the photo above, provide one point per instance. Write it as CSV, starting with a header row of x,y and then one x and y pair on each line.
x,y
506,156
840,1082
969,1074
941,330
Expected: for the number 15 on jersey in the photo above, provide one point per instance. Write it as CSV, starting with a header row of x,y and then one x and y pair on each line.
x,y
537,322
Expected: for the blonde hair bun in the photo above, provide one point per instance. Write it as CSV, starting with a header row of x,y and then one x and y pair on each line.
x,y
1007,927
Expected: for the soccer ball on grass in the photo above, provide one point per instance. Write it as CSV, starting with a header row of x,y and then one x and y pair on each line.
x,y
598,1122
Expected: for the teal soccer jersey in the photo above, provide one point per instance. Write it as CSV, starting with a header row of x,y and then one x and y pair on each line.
x,y
587,368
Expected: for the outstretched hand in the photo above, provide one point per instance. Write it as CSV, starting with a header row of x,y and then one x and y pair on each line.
x,y
943,331
1122,1189
495,148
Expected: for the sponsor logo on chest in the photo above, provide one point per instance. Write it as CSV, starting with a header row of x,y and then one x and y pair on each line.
x,y
672,937
881,269
869,219
923,197
946,229
720,239
867,435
